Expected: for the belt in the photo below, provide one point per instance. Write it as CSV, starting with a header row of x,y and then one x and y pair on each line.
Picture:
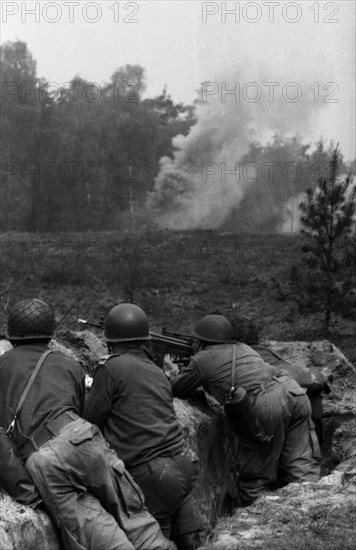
x,y
148,467
46,432
265,386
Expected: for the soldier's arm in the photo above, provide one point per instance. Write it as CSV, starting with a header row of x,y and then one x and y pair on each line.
x,y
99,402
187,381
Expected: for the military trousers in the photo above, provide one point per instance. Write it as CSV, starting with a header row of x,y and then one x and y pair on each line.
x,y
92,499
167,483
292,455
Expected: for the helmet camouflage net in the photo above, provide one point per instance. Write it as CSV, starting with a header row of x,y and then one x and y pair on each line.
x,y
30,319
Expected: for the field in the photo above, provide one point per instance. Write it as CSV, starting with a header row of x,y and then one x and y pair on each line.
x,y
177,277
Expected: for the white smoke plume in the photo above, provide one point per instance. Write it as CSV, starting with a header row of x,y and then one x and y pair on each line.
x,y
291,215
193,190
351,192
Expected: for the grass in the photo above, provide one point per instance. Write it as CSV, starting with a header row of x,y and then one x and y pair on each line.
x,y
176,277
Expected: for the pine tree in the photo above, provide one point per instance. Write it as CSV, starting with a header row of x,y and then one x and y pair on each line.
x,y
328,219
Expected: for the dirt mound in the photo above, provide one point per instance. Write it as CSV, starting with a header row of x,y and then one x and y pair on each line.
x,y
4,346
308,516
24,529
329,359
88,348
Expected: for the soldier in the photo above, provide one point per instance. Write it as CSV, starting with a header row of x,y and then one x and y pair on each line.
x,y
91,497
285,439
131,401
312,379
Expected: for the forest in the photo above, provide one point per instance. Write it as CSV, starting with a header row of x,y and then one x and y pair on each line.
x,y
80,156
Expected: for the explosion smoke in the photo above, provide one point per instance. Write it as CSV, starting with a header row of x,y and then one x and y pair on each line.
x,y
185,195
291,214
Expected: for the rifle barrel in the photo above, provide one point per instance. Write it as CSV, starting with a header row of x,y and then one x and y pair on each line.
x,y
89,323
179,335
169,341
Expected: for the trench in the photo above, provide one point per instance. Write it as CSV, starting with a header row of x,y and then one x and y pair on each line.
x,y
338,456
330,460
331,457
215,495
206,431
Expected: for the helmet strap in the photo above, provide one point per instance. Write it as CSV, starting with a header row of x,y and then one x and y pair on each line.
x,y
109,345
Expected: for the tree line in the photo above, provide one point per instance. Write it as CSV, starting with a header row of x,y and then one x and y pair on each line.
x,y
78,156
277,177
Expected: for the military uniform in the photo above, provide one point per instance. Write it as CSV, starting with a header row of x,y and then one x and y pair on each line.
x,y
131,401
278,402
312,379
91,497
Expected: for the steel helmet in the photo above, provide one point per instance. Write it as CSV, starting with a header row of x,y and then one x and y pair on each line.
x,y
125,323
213,328
30,319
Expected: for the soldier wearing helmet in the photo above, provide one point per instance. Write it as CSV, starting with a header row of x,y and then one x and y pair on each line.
x,y
131,401
30,320
92,499
284,446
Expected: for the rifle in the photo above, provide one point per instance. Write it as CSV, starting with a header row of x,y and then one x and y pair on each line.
x,y
91,324
178,345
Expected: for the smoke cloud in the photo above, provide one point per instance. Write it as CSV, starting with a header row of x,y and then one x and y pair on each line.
x,y
198,187
290,222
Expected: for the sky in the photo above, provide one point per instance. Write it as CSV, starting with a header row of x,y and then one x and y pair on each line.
x,y
307,48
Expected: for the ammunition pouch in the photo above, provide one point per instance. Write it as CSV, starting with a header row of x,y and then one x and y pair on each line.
x,y
242,418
